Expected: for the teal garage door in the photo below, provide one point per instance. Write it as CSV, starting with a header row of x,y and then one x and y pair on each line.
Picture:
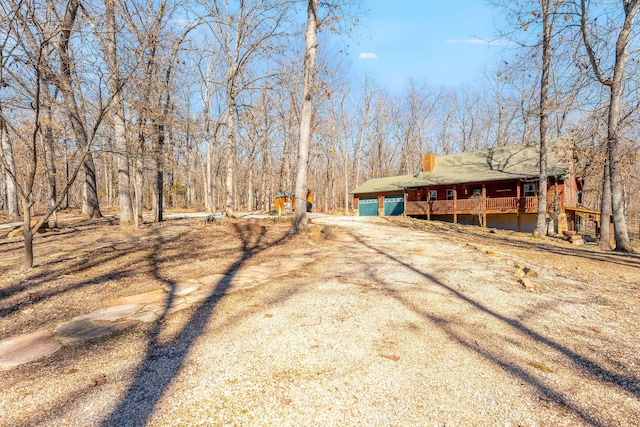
x,y
394,205
368,206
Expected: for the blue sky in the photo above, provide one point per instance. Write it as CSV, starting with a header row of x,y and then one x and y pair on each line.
x,y
444,42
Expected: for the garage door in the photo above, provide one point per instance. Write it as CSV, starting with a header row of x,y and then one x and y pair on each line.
x,y
394,205
368,206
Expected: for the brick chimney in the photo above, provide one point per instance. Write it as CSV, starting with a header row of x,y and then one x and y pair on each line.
x,y
428,162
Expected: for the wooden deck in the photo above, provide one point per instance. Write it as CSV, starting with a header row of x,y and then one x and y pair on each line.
x,y
473,206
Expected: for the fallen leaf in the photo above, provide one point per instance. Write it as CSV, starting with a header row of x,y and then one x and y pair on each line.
x,y
391,357
595,329
541,366
268,315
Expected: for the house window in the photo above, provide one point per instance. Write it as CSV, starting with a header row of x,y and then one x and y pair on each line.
x,y
476,192
433,194
529,190
450,194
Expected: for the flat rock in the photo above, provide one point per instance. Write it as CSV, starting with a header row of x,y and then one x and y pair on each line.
x,y
230,284
199,296
80,330
146,316
526,284
292,264
259,271
116,312
162,309
212,279
178,307
222,281
271,265
181,289
256,273
26,348
154,297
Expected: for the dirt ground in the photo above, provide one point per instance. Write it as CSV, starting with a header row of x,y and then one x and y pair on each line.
x,y
393,322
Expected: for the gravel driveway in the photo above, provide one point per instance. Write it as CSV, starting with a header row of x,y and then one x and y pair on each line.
x,y
388,326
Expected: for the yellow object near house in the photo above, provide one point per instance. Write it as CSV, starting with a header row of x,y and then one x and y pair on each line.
x,y
285,201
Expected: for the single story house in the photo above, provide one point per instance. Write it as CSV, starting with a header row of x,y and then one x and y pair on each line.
x,y
495,187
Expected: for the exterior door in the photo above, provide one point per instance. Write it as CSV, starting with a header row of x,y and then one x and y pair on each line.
x,y
368,206
394,205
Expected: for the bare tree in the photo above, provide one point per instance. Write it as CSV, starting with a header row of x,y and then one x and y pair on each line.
x,y
119,125
363,107
64,79
33,37
243,33
549,13
300,221
612,194
5,144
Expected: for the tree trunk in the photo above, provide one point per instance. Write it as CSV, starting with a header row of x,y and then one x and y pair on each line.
x,y
90,202
52,194
605,207
231,111
12,191
250,201
208,184
300,218
115,87
159,172
613,195
613,137
27,233
139,184
326,187
547,27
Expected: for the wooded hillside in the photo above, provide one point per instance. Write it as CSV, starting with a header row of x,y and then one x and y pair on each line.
x,y
194,104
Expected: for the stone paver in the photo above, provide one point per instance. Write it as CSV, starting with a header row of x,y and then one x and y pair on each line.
x,y
111,313
199,296
146,316
124,312
154,297
81,330
181,289
212,279
26,348
228,284
258,271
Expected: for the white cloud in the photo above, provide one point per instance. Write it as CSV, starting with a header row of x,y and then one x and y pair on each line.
x,y
368,55
478,41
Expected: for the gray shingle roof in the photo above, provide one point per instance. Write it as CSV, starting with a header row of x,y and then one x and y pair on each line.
x,y
493,164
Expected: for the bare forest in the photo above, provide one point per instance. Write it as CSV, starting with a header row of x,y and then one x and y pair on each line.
x,y
144,105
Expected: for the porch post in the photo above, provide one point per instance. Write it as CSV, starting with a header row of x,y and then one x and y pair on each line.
x,y
484,206
455,200
428,204
404,212
518,203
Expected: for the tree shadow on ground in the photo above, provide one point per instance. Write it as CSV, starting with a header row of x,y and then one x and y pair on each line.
x,y
44,283
164,360
581,362
620,258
